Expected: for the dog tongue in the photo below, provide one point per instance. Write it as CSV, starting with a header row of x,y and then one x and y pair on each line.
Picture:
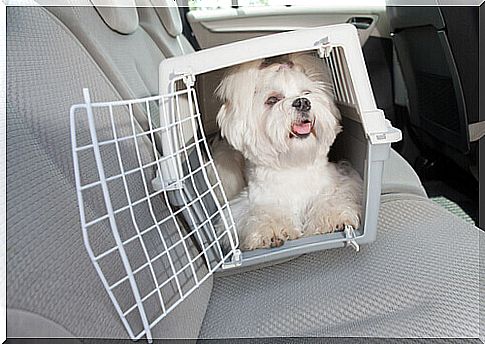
x,y
301,128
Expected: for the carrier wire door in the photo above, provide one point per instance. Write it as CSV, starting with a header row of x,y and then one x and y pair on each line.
x,y
151,244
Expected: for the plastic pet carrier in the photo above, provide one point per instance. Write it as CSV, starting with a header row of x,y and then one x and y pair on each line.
x,y
149,194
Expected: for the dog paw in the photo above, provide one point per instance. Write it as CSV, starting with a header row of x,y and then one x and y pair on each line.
x,y
292,233
333,221
338,220
260,240
269,238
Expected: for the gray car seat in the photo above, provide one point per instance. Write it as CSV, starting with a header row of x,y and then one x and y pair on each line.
x,y
438,55
423,253
49,275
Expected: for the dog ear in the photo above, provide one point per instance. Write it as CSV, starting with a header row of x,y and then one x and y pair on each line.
x,y
239,84
331,126
227,117
236,91
230,126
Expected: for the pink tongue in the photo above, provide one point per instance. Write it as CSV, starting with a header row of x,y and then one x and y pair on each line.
x,y
301,128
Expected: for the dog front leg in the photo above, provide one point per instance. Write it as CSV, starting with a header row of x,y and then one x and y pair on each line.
x,y
332,213
264,227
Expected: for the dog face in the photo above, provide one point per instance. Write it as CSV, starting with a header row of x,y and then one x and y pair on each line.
x,y
279,112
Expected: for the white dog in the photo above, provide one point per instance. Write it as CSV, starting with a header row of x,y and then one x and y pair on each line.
x,y
280,114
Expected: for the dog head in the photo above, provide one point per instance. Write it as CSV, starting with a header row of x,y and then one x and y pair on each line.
x,y
279,111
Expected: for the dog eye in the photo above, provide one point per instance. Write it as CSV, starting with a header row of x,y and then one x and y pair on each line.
x,y
306,93
271,101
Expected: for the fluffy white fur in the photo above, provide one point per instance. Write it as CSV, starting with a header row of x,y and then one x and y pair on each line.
x,y
230,167
292,189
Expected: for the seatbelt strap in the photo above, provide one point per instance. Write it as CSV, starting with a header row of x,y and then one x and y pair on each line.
x,y
476,131
179,42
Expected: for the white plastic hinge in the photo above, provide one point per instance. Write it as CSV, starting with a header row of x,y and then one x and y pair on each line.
x,y
188,79
324,47
235,261
350,237
324,50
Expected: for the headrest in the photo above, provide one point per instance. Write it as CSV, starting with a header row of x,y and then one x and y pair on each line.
x,y
168,12
120,15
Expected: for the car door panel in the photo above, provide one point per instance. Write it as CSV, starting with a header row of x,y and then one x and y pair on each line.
x,y
223,26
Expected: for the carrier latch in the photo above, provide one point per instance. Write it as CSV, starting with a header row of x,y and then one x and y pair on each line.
x,y
235,261
350,237
163,182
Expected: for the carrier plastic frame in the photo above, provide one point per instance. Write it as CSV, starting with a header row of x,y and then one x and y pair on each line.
x,y
339,46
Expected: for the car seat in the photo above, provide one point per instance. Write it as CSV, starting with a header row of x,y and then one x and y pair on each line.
x,y
437,48
423,268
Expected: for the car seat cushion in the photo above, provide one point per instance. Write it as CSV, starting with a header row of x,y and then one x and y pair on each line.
x,y
418,279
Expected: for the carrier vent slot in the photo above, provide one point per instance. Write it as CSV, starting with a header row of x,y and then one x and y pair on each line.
x,y
342,82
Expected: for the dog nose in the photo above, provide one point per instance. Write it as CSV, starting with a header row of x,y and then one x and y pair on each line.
x,y
302,104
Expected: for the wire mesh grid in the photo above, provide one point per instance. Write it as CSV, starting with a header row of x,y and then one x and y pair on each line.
x,y
152,241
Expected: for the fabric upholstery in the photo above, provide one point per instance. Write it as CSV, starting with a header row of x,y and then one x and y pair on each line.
x,y
169,15
118,56
49,272
121,19
482,288
28,324
418,279
131,62
152,23
399,177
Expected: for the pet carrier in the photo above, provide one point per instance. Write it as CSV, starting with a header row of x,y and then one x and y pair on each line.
x,y
153,238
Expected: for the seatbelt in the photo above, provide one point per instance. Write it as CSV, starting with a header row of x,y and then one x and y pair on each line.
x,y
476,131
179,42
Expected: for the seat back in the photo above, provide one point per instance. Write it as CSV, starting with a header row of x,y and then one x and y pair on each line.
x,y
436,95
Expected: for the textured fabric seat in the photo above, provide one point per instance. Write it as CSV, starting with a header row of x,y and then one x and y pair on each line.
x,y
53,288
163,23
420,278
127,55
52,284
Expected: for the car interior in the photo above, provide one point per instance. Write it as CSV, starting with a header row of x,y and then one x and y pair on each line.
x,y
421,277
